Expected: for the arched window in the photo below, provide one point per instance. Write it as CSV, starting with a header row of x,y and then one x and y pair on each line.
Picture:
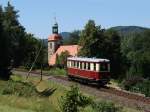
x,y
50,45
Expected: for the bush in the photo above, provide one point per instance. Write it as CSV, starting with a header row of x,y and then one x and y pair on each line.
x,y
73,100
142,87
128,83
137,84
19,89
103,106
61,60
57,71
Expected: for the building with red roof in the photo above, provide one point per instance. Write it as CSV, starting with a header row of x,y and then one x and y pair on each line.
x,y
55,48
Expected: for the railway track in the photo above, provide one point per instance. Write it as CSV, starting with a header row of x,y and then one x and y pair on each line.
x,y
114,91
121,93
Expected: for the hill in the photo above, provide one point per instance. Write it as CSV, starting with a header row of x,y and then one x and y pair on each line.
x,y
122,30
65,35
129,30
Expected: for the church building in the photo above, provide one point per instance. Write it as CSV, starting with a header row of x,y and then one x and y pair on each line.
x,y
55,48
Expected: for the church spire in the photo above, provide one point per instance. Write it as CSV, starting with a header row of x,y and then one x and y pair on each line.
x,y
9,2
55,27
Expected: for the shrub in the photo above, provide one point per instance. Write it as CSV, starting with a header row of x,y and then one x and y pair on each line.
x,y
128,83
137,84
103,106
142,87
73,100
57,71
19,89
61,59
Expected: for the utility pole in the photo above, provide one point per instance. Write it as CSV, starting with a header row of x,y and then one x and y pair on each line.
x,y
42,64
41,72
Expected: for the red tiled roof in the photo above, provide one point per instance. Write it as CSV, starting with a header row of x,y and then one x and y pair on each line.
x,y
54,37
72,49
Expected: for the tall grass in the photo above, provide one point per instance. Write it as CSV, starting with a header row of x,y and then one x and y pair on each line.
x,y
20,95
19,89
5,108
57,71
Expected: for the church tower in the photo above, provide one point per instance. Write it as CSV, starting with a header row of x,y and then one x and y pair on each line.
x,y
54,41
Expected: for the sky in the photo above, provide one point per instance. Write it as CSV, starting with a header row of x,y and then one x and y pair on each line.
x,y
37,16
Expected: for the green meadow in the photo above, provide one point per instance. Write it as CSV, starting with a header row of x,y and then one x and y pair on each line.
x,y
33,95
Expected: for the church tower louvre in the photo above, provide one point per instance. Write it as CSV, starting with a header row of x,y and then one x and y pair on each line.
x,y
54,41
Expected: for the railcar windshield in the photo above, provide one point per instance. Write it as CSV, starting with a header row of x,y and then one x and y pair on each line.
x,y
104,67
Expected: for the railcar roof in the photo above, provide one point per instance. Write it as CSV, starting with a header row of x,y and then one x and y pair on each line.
x,y
88,59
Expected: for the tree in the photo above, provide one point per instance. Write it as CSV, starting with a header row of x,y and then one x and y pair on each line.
x,y
32,47
73,99
4,49
16,34
90,38
100,43
112,45
137,50
62,59
16,45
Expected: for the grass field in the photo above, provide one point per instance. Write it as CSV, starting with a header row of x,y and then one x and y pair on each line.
x,y
53,71
36,103
33,103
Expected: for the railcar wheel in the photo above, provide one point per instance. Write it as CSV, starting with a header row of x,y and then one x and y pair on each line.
x,y
70,78
83,81
100,84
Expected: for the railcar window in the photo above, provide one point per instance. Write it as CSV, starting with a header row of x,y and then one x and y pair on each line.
x,y
75,64
97,66
68,63
72,63
89,66
84,66
94,66
80,65
103,67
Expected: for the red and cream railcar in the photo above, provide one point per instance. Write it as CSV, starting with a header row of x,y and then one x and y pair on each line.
x,y
89,69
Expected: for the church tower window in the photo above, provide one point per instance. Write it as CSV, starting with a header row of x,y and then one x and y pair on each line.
x,y
50,45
